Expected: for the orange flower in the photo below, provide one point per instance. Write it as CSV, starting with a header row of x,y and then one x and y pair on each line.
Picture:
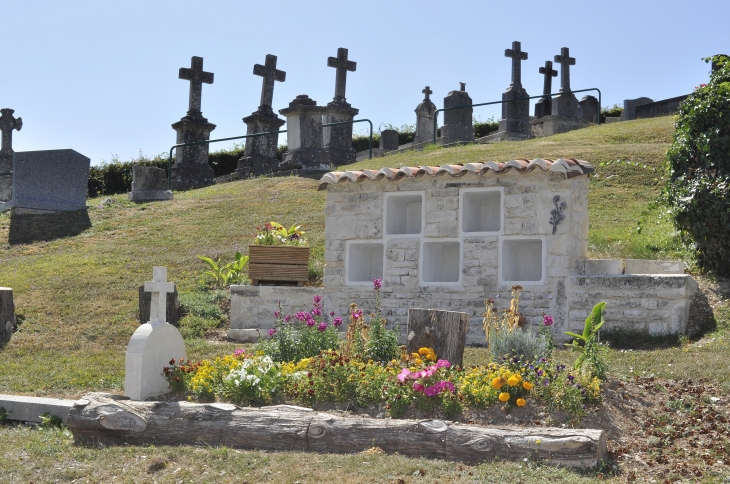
x,y
520,402
498,382
527,385
504,397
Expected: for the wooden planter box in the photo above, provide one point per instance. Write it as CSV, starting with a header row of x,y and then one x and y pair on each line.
x,y
278,263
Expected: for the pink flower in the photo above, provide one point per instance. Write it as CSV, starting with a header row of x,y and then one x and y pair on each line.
x,y
443,364
277,314
378,283
302,316
332,314
317,300
337,321
287,318
322,326
239,352
432,390
316,312
404,374
418,387
547,320
448,386
272,332
310,321
357,314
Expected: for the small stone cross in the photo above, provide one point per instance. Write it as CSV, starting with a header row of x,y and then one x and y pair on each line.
x,y
517,56
159,287
270,74
462,86
7,124
549,74
565,61
342,65
427,92
197,76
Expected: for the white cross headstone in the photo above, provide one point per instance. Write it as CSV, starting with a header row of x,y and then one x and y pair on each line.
x,y
153,345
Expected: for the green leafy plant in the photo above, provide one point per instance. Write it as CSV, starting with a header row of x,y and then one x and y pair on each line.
x,y
523,345
50,421
3,415
225,275
272,233
698,181
588,344
382,343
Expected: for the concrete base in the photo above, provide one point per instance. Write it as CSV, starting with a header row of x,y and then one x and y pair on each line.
x,y
189,176
600,267
244,335
640,266
550,125
500,136
252,307
149,195
29,409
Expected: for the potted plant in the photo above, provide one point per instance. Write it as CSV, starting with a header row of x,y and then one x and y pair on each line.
x,y
278,254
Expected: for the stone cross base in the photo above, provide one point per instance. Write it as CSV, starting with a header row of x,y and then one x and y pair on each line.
x,y
544,107
550,125
565,105
191,169
307,159
187,176
149,195
515,115
338,157
338,139
249,166
458,132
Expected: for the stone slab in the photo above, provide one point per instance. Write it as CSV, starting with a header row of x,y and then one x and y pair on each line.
x,y
252,307
29,409
55,180
500,136
630,107
640,266
552,125
659,108
601,267
149,195
244,335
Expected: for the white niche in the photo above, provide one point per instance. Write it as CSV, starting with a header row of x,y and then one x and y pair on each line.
x,y
364,262
481,210
441,262
404,214
523,260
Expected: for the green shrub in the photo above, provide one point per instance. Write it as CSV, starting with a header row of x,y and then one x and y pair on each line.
x,y
483,128
523,345
698,185
612,112
202,312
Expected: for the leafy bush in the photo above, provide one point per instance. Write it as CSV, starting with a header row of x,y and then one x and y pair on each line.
x,y
202,312
109,178
523,345
370,341
698,186
483,128
225,275
588,346
611,112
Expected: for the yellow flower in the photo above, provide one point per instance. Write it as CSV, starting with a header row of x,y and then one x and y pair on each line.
x,y
504,397
424,351
513,381
520,402
498,382
527,385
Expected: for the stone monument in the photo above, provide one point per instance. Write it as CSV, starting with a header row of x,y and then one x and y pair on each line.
x,y
589,110
260,154
304,135
458,122
191,169
565,104
338,139
153,345
425,113
544,106
149,184
629,112
7,124
389,140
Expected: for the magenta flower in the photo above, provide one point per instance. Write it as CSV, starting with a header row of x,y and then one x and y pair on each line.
x,y
357,314
272,332
287,318
547,320
418,387
316,312
302,316
332,314
378,283
443,364
322,326
239,352
404,374
336,322
317,300
432,391
277,314
310,321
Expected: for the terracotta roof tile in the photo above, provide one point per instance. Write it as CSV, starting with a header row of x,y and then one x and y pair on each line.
x,y
570,167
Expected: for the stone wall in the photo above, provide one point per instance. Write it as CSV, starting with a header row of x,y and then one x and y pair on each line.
x,y
659,108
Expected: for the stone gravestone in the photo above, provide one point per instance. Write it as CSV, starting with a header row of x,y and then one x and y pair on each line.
x,y
338,139
8,321
565,104
425,113
543,107
7,124
458,122
172,309
260,154
515,122
152,345
630,107
304,135
389,140
149,184
51,180
191,169
589,110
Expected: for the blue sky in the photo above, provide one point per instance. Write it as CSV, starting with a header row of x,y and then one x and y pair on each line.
x,y
101,76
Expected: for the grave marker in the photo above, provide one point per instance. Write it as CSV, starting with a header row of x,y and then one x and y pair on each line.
x,y
544,106
425,113
149,184
515,122
566,104
338,139
7,124
458,122
304,135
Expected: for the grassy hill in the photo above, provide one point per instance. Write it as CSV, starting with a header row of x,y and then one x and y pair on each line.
x,y
78,295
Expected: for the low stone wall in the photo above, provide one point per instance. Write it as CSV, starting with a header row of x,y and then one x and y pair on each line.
x,y
657,304
660,108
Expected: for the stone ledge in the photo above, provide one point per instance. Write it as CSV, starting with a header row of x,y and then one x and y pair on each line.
x,y
149,195
29,409
244,335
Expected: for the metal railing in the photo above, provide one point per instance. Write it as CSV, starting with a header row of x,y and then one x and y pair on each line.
x,y
435,119
194,143
6,173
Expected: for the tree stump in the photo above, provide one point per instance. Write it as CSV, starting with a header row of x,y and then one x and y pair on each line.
x,y
172,311
444,331
8,322
107,419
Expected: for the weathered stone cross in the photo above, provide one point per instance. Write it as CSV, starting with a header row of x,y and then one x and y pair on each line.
x,y
517,56
159,287
549,74
342,65
270,74
427,92
565,61
197,76
7,124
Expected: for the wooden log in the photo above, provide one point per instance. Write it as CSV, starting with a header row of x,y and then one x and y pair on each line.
x,y
172,310
8,321
107,419
278,263
444,331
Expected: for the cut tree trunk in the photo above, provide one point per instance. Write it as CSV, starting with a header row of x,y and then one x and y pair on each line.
x,y
106,419
172,310
8,322
443,331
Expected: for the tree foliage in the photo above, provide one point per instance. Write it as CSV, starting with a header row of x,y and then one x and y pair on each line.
x,y
698,182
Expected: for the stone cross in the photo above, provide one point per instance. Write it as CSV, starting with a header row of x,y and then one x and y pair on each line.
x,y
159,287
7,124
462,86
549,74
342,65
566,61
197,76
427,92
517,57
270,74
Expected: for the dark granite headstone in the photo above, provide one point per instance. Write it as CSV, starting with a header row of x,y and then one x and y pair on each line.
x,y
458,123
566,104
589,110
54,180
543,107
148,184
7,124
516,114
304,135
389,139
630,107
424,118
